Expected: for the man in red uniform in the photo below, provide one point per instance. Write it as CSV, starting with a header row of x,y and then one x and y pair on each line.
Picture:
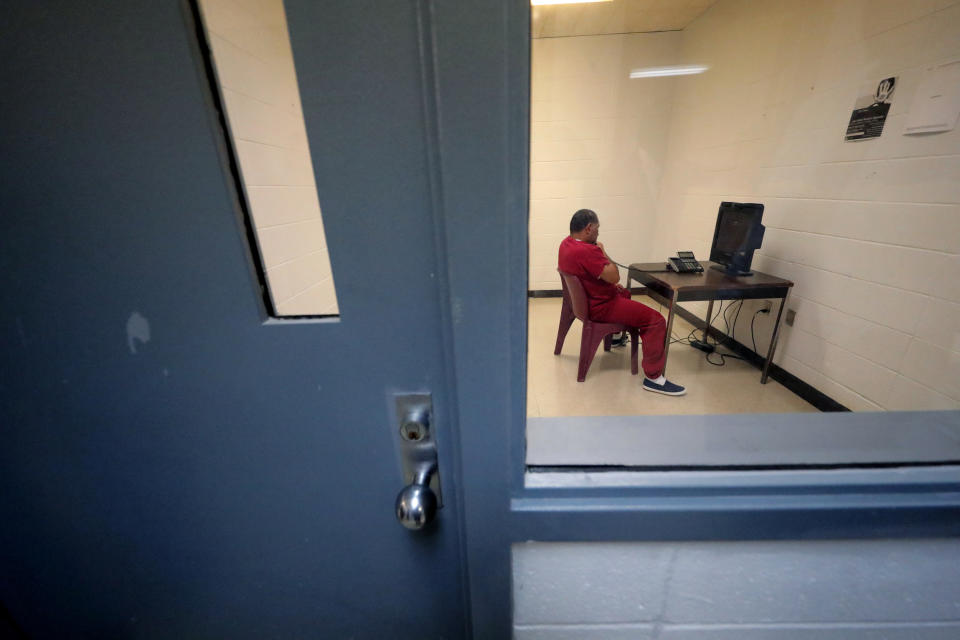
x,y
584,257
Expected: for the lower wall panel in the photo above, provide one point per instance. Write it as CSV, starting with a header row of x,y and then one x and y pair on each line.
x,y
864,590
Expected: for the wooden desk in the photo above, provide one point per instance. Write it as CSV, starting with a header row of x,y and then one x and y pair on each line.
x,y
670,288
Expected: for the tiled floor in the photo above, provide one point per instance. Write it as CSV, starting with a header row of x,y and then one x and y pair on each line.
x,y
553,390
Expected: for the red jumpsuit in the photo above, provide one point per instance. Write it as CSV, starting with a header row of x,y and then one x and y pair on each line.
x,y
612,303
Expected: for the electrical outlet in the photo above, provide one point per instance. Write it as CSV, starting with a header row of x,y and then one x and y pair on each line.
x,y
790,317
766,306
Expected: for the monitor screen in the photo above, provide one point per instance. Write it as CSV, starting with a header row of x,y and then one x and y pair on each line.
x,y
733,230
737,234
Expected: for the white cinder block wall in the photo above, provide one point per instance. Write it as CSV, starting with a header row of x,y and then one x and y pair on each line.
x,y
869,231
254,62
597,141
785,590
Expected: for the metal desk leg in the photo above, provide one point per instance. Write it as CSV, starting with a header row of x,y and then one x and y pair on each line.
x,y
773,339
666,341
706,329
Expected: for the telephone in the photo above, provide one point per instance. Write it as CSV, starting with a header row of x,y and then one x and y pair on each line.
x,y
685,262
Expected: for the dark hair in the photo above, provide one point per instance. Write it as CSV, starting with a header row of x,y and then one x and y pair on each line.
x,y
581,219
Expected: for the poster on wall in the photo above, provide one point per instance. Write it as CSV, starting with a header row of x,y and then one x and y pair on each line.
x,y
870,110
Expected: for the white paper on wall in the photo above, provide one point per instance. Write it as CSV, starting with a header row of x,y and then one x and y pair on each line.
x,y
936,102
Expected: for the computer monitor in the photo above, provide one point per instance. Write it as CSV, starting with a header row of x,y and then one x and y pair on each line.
x,y
737,234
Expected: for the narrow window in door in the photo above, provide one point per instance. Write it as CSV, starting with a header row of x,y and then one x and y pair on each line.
x,y
253,68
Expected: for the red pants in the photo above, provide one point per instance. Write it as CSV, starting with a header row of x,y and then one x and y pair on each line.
x,y
650,324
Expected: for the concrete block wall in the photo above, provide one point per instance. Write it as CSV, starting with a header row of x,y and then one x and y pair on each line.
x,y
790,590
255,68
597,141
869,231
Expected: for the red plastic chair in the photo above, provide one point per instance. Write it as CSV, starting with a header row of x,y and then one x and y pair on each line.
x,y
575,306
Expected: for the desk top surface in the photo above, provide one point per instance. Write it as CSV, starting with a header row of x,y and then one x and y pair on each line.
x,y
709,280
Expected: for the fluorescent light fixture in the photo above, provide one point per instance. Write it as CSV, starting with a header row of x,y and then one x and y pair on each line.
x,y
675,70
539,2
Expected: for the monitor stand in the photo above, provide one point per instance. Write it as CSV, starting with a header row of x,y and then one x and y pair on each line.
x,y
732,272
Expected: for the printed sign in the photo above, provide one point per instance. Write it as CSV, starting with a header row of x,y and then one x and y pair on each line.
x,y
870,111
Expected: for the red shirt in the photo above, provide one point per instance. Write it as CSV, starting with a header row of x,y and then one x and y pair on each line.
x,y
587,261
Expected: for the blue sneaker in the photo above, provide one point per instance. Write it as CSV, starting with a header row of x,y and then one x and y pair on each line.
x,y
667,388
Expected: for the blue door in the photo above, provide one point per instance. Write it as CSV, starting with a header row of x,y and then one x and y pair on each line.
x,y
174,462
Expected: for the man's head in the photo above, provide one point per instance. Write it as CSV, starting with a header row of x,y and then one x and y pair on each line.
x,y
585,225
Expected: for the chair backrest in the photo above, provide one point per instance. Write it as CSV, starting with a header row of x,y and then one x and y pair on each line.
x,y
576,294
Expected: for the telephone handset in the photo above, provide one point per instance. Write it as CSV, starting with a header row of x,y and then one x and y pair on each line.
x,y
685,262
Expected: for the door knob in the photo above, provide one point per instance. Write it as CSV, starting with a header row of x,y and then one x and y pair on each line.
x,y
417,503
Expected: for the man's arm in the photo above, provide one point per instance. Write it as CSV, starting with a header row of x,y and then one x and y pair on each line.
x,y
610,272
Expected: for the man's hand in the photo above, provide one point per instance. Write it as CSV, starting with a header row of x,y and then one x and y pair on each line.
x,y
610,273
604,251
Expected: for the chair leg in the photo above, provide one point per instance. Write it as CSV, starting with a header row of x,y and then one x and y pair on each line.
x,y
607,342
566,320
588,348
634,348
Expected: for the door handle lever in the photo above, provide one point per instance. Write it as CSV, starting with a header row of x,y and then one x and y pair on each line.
x,y
416,506
417,503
